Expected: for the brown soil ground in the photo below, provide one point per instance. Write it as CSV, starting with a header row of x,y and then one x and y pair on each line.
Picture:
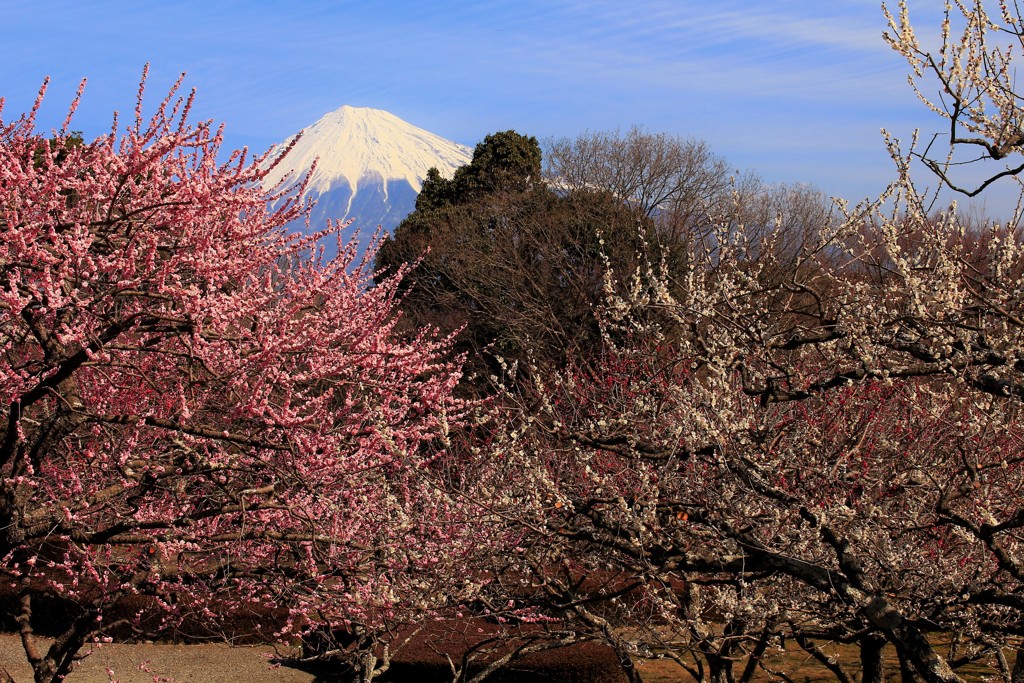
x,y
220,663
211,663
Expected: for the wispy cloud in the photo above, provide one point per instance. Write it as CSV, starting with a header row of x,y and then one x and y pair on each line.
x,y
766,83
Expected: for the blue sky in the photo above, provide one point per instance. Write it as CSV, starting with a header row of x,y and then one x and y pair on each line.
x,y
796,90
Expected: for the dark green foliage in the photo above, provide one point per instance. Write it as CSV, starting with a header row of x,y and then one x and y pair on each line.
x,y
503,162
59,147
517,266
437,192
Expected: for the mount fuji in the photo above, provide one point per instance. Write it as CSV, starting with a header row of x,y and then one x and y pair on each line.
x,y
370,166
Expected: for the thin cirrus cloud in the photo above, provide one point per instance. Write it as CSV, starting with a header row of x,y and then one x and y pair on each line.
x,y
776,50
796,89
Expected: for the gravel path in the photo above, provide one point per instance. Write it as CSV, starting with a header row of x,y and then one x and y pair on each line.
x,y
213,663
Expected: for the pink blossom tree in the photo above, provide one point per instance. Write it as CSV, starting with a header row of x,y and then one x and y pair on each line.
x,y
195,411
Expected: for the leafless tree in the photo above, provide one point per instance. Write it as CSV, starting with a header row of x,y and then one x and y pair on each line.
x,y
675,180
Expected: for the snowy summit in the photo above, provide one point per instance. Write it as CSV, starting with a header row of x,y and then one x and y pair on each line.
x,y
370,166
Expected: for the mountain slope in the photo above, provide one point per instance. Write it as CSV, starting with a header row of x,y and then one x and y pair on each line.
x,y
370,166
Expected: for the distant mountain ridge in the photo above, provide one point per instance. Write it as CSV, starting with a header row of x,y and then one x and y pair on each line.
x,y
370,167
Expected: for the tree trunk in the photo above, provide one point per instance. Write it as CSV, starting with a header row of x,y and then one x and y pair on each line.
x,y
626,663
1018,666
915,652
871,647
907,673
719,670
367,667
757,653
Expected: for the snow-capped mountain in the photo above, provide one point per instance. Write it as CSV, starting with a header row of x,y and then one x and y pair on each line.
x,y
370,166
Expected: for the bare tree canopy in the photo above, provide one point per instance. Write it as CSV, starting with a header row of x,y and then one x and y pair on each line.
x,y
667,177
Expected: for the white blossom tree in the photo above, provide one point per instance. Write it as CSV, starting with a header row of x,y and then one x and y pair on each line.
x,y
821,433
974,69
